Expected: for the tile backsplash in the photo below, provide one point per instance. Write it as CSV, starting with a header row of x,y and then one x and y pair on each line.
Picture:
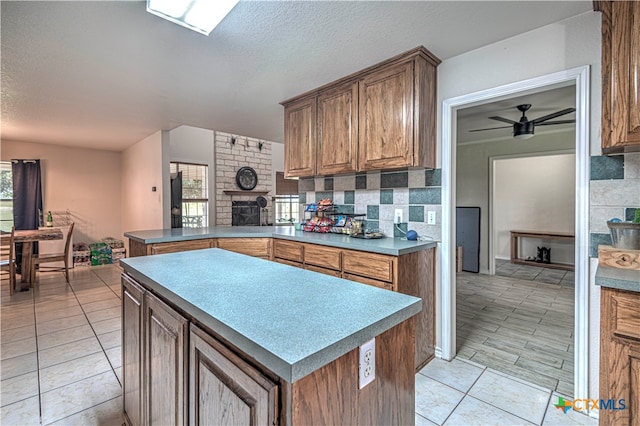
x,y
614,192
378,194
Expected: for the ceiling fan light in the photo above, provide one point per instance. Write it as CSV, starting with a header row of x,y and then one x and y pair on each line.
x,y
523,129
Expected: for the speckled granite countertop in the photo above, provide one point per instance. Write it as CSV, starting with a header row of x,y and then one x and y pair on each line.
x,y
391,246
291,320
618,278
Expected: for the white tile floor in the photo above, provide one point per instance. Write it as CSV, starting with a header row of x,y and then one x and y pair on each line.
x,y
60,364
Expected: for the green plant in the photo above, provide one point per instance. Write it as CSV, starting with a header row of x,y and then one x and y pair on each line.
x,y
636,218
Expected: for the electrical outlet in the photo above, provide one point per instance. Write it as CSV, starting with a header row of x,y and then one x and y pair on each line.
x,y
431,217
367,363
397,217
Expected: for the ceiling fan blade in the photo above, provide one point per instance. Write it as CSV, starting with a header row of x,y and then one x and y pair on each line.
x,y
491,128
504,120
548,123
553,115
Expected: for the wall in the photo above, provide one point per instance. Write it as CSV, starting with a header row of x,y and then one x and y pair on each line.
x,y
229,158
142,169
195,145
534,193
84,181
472,173
560,46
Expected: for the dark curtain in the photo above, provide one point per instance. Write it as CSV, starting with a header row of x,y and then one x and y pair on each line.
x,y
27,199
176,200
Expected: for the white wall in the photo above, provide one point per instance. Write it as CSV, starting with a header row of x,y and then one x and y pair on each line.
x,y
142,169
277,163
472,173
537,194
564,45
195,145
85,181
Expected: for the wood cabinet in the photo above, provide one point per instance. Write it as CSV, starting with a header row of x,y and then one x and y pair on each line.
x,y
224,389
386,120
620,356
224,385
288,250
620,76
300,138
132,356
137,248
412,274
383,117
338,129
165,363
256,247
154,358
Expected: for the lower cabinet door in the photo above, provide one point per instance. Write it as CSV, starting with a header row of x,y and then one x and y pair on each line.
x,y
224,389
165,356
132,356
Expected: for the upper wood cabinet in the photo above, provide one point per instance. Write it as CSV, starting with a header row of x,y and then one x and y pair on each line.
x,y
338,129
386,117
620,76
300,138
383,117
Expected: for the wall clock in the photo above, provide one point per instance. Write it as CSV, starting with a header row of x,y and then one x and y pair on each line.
x,y
246,178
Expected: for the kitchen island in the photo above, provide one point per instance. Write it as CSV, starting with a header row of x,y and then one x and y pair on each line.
x,y
407,267
216,337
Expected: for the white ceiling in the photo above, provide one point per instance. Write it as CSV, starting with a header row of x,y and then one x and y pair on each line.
x,y
106,74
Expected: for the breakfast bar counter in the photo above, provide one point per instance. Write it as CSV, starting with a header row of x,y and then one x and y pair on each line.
x,y
209,331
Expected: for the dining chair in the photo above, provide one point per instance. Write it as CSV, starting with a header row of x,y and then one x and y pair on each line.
x,y
39,259
8,258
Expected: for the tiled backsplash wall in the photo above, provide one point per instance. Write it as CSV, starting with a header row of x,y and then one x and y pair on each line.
x,y
379,194
614,192
229,158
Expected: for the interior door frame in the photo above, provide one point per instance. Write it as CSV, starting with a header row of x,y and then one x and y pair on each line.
x,y
580,76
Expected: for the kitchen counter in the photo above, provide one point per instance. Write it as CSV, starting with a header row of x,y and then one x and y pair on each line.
x,y
390,246
618,278
290,320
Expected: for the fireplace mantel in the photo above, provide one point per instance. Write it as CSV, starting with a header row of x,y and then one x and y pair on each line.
x,y
247,193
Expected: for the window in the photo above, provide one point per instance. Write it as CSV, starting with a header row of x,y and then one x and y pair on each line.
x,y
286,202
195,194
6,197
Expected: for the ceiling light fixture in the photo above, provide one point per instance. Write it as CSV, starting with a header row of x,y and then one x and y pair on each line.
x,y
201,16
523,129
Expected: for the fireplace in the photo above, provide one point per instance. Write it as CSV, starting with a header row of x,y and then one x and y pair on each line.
x,y
245,213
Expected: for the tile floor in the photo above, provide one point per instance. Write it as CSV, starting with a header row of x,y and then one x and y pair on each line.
x,y
60,364
519,323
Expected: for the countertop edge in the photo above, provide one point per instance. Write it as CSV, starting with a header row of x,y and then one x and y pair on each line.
x,y
360,245
618,278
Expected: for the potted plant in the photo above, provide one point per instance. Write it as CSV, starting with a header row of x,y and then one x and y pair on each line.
x,y
625,235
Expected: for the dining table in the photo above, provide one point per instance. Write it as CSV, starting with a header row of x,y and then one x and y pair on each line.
x,y
27,237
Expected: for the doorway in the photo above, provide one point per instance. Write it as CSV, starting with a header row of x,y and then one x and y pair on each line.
x,y
447,297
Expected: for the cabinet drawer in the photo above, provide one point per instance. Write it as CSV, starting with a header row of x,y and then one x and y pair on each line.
x,y
325,257
177,246
371,265
627,316
368,281
258,247
288,250
323,270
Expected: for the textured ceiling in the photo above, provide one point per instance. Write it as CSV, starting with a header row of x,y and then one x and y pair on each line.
x,y
106,74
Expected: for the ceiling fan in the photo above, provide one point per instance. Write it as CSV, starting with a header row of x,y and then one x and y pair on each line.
x,y
524,128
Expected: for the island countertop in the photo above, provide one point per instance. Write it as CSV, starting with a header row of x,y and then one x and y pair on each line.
x,y
290,320
617,278
390,246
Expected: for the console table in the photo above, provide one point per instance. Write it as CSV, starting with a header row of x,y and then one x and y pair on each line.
x,y
556,236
